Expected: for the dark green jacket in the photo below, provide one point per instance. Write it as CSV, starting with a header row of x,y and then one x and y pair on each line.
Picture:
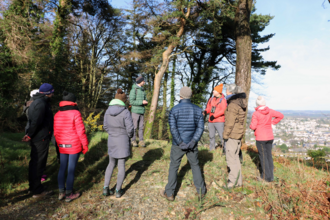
x,y
136,97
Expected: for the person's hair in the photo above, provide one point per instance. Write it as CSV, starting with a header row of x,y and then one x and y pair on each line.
x,y
238,89
231,87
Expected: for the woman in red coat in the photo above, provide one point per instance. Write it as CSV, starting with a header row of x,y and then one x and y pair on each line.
x,y
262,120
71,138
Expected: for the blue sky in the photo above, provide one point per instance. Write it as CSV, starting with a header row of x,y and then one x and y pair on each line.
x,y
301,45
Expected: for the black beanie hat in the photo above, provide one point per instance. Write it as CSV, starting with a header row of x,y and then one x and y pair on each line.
x,y
68,96
139,80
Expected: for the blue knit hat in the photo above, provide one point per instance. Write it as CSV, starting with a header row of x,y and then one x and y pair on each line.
x,y
46,89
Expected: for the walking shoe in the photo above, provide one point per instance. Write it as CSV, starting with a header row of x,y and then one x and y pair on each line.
x,y
259,179
61,196
163,194
142,144
72,196
107,192
43,194
231,185
119,193
134,144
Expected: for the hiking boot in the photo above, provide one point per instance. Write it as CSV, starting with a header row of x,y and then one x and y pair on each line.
x,y
61,196
43,194
259,179
134,144
72,196
107,192
201,196
163,194
142,144
231,185
119,193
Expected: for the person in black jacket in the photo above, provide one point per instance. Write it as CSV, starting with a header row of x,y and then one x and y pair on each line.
x,y
187,125
39,134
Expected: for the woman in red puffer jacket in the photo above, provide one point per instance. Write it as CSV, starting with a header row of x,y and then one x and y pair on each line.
x,y
71,138
262,120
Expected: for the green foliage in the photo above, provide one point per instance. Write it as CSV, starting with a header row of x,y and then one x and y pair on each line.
x,y
316,154
13,161
283,148
326,149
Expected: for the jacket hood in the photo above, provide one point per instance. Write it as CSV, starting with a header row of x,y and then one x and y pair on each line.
x,y
66,103
239,99
262,109
117,102
40,96
115,110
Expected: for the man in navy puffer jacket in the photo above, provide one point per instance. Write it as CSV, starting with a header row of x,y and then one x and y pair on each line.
x,y
187,126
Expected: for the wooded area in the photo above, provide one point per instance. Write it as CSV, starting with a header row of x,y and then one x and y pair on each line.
x,y
90,48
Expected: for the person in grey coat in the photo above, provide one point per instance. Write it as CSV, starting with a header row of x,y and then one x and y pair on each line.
x,y
118,124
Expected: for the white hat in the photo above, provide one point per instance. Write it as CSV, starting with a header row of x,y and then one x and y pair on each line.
x,y
260,101
33,92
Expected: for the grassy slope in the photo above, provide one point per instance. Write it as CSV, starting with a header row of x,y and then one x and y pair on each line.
x,y
299,191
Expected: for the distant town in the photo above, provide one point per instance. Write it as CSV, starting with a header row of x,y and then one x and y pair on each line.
x,y
298,132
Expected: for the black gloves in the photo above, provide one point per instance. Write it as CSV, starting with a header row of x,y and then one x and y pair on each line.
x,y
191,144
212,118
204,112
183,146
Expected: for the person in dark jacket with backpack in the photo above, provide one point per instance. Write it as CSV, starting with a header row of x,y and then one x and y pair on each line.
x,y
186,125
39,134
137,99
216,107
233,134
71,138
118,123
27,106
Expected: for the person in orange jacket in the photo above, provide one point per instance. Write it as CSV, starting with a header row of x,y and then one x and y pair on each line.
x,y
216,107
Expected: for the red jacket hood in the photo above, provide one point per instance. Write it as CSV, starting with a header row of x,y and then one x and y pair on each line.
x,y
66,103
262,109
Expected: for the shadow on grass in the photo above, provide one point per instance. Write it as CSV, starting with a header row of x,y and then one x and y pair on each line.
x,y
255,159
88,172
204,156
141,166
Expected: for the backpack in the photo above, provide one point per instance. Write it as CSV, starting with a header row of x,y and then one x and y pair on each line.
x,y
212,99
135,95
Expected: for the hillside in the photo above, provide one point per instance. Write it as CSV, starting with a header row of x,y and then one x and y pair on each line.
x,y
298,192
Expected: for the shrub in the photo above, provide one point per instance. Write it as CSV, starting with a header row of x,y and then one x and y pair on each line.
x,y
316,154
91,123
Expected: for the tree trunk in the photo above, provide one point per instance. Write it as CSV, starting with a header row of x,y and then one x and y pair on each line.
x,y
172,94
163,113
243,49
159,75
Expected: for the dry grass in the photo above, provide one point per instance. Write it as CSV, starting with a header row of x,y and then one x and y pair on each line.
x,y
298,192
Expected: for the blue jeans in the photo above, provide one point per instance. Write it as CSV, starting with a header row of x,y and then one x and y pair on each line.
x,y
65,159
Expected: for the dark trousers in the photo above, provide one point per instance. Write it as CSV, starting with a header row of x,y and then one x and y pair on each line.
x,y
266,160
37,165
138,122
67,161
176,156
